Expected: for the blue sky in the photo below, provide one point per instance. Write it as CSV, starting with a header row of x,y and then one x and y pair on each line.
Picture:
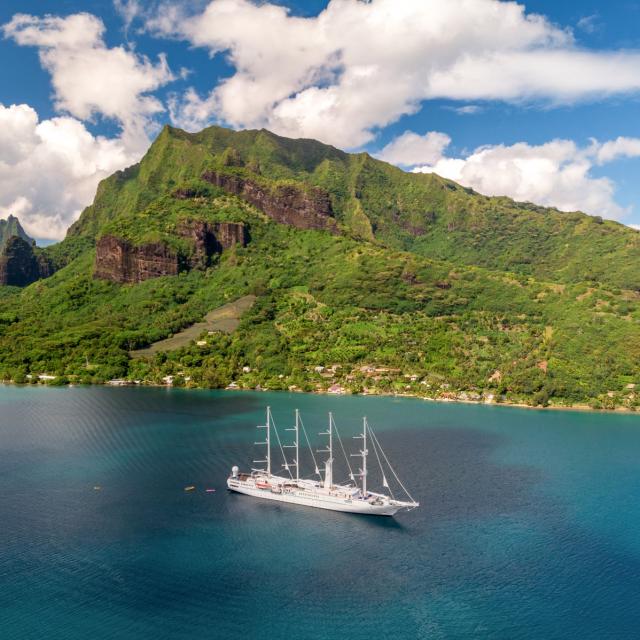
x,y
537,100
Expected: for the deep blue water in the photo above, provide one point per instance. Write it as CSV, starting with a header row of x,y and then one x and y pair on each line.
x,y
529,526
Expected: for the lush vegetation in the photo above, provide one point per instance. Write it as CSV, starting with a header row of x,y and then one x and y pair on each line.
x,y
431,289
422,213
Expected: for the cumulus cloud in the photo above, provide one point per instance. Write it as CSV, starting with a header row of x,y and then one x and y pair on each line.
x,y
411,149
90,78
358,66
621,147
558,173
339,76
49,169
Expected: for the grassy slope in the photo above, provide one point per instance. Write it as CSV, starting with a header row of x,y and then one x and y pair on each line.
x,y
452,287
225,319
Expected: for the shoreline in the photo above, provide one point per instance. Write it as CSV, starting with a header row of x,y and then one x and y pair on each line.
x,y
582,408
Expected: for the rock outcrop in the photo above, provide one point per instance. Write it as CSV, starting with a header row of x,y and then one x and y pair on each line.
x,y
209,238
45,266
119,260
228,234
19,265
302,207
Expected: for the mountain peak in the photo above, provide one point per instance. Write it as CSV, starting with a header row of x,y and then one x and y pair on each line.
x,y
374,201
11,227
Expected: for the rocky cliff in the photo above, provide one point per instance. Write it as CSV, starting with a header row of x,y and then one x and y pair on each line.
x,y
20,265
209,238
121,261
46,267
301,206
228,234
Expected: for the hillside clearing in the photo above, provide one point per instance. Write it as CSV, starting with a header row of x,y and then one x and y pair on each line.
x,y
224,319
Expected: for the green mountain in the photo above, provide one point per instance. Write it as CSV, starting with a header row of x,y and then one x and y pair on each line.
x,y
21,262
365,277
12,227
373,200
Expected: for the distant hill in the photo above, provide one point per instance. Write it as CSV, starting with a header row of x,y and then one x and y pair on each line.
x,y
366,279
21,262
12,227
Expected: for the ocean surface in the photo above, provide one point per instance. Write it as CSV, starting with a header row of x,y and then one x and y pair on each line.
x,y
529,525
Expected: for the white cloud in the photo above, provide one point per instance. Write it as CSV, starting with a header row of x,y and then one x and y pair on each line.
x,y
49,170
558,173
128,10
90,78
189,111
560,75
358,66
411,149
339,77
467,110
589,24
619,148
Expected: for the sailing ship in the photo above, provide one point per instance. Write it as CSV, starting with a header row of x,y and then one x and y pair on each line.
x,y
321,492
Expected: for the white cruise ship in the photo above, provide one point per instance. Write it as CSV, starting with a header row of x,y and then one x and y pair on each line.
x,y
323,492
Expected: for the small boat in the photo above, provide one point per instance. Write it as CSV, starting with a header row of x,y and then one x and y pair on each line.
x,y
210,490
189,488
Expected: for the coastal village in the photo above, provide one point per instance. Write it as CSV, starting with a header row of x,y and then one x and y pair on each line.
x,y
375,380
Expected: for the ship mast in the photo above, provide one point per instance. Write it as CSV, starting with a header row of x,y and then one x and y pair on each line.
x,y
331,437
266,442
269,441
328,468
328,465
296,445
363,454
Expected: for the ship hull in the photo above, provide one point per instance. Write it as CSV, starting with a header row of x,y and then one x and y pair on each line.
x,y
316,500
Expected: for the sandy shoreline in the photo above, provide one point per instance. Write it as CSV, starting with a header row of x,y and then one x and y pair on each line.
x,y
577,407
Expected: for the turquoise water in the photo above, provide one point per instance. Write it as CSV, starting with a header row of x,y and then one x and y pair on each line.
x,y
529,526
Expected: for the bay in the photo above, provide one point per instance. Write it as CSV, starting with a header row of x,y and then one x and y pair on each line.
x,y
528,527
